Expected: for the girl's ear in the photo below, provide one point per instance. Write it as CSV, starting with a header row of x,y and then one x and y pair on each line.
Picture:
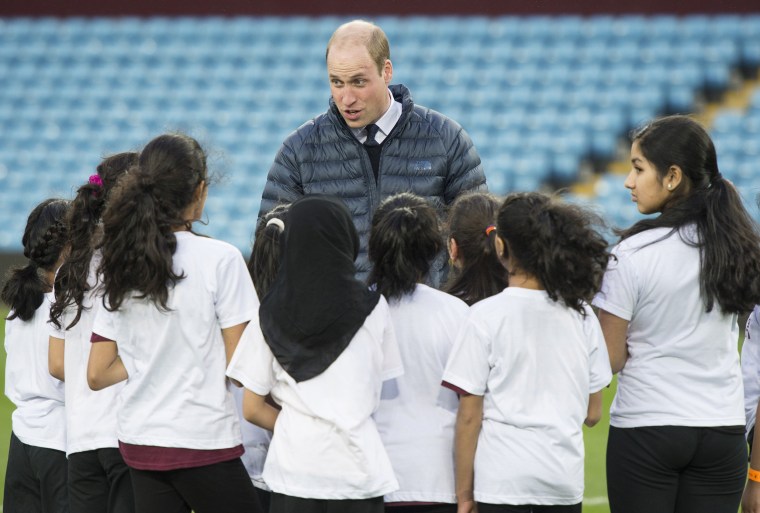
x,y
453,250
673,178
500,246
200,191
502,252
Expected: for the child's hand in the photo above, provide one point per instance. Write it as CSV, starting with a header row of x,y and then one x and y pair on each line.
x,y
750,499
472,507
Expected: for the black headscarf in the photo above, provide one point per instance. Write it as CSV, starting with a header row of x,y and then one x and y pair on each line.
x,y
315,305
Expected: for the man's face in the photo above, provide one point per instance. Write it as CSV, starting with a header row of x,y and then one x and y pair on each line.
x,y
358,89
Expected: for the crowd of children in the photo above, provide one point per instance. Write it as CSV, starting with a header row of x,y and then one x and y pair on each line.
x,y
196,383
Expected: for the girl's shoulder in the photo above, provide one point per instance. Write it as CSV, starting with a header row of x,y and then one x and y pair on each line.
x,y
205,247
651,239
435,297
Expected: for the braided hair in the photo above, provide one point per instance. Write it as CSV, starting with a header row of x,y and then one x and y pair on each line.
x,y
44,239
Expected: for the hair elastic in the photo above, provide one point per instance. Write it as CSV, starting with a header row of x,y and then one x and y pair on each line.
x,y
753,475
489,230
96,180
277,222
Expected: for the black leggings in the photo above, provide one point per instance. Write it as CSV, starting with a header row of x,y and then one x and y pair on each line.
x,y
99,482
676,469
288,504
35,479
508,508
219,488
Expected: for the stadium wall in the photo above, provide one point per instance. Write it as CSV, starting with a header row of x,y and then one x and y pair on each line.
x,y
341,7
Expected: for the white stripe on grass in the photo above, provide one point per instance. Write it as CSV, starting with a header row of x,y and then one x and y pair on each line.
x,y
594,501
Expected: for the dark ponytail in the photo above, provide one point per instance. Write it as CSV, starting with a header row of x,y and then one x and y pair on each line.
x,y
404,240
481,274
266,254
728,238
556,243
71,282
144,210
44,239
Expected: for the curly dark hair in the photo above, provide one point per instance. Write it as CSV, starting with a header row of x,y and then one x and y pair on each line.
x,y
404,239
144,210
556,243
44,239
481,274
82,221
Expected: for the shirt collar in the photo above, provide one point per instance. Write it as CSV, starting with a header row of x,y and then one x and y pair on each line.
x,y
386,122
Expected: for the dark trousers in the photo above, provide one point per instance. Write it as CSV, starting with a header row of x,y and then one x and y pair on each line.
x,y
508,508
287,504
35,480
426,508
219,488
265,497
99,482
667,469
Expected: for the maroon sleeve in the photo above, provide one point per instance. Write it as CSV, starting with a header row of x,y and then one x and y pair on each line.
x,y
97,338
455,388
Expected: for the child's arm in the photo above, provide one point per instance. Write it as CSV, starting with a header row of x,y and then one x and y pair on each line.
x,y
105,368
231,338
594,412
615,332
751,497
55,357
257,410
469,421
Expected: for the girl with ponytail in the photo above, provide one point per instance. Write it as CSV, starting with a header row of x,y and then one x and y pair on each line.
x,y
36,474
263,265
174,306
416,416
668,308
476,272
98,477
530,363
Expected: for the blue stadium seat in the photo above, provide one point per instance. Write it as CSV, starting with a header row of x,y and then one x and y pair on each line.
x,y
538,94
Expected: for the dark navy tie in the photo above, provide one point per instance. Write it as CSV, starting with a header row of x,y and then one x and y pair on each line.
x,y
371,132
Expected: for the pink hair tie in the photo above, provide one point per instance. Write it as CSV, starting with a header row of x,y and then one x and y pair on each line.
x,y
96,180
489,230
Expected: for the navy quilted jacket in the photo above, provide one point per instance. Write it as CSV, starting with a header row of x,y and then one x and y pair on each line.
x,y
426,153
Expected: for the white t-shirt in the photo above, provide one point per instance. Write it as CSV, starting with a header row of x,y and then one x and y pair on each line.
x,y
751,368
683,364
176,394
417,416
325,443
256,442
535,362
39,418
90,415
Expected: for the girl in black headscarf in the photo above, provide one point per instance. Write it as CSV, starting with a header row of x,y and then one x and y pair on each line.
x,y
322,347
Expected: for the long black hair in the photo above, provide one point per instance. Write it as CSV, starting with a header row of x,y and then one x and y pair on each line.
x,y
481,274
44,239
144,210
556,243
82,221
266,254
404,239
728,239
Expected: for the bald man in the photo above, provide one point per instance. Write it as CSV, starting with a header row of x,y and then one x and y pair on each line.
x,y
373,142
